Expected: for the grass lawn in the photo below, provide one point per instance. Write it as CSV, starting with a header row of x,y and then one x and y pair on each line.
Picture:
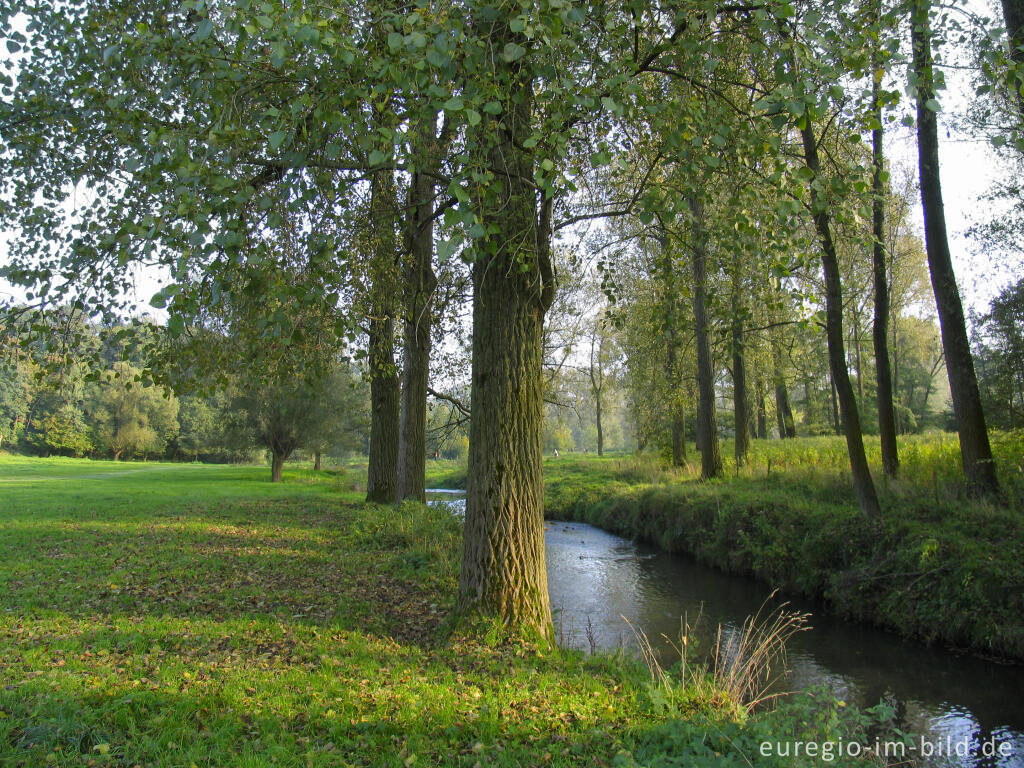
x,y
189,615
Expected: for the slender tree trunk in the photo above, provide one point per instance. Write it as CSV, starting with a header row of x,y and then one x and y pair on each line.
x,y
317,465
858,358
740,403
880,330
672,354
503,559
835,406
862,482
762,412
679,458
741,410
382,472
707,428
597,381
783,411
975,450
420,282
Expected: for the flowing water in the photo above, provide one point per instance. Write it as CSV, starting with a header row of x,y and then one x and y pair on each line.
x,y
603,586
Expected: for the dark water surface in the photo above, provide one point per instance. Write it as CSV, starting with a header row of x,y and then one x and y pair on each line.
x,y
600,584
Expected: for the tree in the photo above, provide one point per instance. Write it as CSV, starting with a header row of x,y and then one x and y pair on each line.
x,y
16,394
602,353
1000,352
340,420
382,469
975,451
131,419
880,327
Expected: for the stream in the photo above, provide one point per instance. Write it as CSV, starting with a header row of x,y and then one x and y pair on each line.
x,y
603,586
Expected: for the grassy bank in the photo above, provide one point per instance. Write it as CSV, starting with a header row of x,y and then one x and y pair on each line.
x,y
180,615
937,566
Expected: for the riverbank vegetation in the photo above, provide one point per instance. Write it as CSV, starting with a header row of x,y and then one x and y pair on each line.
x,y
937,564
171,615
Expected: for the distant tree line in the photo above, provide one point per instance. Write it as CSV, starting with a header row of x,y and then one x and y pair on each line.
x,y
101,404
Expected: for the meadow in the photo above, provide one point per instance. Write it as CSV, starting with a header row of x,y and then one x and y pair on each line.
x,y
190,615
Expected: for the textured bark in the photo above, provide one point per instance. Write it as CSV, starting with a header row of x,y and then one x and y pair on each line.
x,y
862,482
276,466
975,450
880,329
420,282
707,426
503,560
317,465
382,471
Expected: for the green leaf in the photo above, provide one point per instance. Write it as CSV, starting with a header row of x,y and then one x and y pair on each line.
x,y
377,157
513,52
276,139
492,108
395,41
265,21
454,104
473,117
933,105
203,31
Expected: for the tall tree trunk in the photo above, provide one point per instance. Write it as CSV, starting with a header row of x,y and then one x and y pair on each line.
x,y
858,358
762,412
975,450
597,381
741,410
679,458
382,472
317,465
783,411
707,427
503,559
862,482
740,404
880,329
420,282
678,415
835,406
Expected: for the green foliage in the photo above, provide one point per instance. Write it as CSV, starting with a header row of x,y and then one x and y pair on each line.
x,y
63,431
132,420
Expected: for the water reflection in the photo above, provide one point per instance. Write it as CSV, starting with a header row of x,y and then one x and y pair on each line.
x,y
601,584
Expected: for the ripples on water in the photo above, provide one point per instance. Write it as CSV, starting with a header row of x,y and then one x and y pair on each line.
x,y
601,584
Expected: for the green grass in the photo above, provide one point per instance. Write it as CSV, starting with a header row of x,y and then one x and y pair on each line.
x,y
179,615
938,565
